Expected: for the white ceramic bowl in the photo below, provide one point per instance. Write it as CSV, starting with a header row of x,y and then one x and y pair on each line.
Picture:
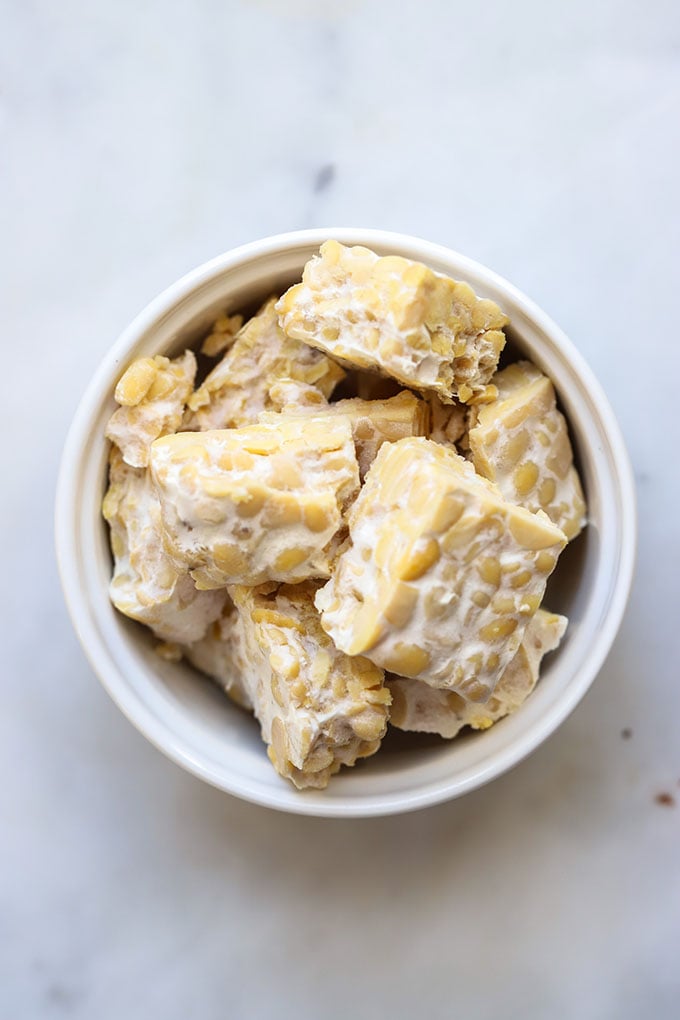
x,y
183,714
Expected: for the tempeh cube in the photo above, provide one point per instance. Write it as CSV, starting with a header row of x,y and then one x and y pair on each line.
x,y
146,585
239,387
423,709
318,709
220,654
399,317
521,443
374,422
264,502
442,575
152,392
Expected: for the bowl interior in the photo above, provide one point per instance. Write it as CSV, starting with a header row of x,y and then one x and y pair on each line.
x,y
184,713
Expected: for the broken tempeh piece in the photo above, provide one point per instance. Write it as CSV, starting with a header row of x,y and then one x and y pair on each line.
x,y
146,586
264,502
222,335
219,654
318,709
521,443
442,575
448,422
289,393
238,388
423,709
399,317
374,422
152,392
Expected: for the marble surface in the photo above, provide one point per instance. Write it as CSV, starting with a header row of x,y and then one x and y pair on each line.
x,y
139,139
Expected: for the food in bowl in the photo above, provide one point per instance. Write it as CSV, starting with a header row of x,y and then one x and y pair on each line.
x,y
338,565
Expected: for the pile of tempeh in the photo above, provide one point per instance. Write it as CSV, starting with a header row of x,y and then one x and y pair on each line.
x,y
340,565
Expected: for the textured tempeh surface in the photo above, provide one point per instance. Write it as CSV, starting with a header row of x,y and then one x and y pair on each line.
x,y
448,422
239,387
153,393
418,707
521,443
442,575
220,654
222,335
146,585
399,317
374,422
264,502
318,708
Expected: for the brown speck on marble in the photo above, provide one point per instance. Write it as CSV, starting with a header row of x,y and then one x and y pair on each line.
x,y
665,799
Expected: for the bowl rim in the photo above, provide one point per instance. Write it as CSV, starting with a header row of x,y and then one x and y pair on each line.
x,y
75,452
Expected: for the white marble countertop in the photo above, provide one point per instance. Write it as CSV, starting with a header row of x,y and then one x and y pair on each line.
x,y
137,140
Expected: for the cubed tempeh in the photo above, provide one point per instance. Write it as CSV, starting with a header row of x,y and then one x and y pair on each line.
x,y
259,503
153,393
374,422
418,707
318,709
220,655
396,316
239,387
521,443
146,585
441,575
